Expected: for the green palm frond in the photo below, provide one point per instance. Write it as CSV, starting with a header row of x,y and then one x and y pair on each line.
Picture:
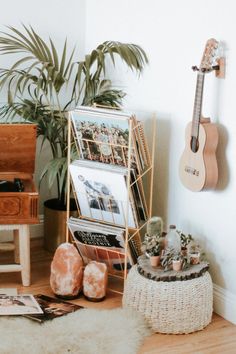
x,y
36,56
102,93
132,54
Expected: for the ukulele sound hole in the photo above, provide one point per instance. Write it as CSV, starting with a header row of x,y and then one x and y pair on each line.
x,y
194,144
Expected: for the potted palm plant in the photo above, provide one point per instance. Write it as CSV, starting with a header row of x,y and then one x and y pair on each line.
x,y
38,82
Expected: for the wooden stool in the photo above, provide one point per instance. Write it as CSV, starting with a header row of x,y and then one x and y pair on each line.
x,y
21,249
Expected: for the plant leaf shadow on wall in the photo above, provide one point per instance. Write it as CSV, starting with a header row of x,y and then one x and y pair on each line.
x,y
161,189
223,167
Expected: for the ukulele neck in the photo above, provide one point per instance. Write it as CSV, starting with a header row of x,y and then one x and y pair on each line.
x,y
197,111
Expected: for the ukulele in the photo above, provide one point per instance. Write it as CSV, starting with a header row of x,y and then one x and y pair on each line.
x,y
198,165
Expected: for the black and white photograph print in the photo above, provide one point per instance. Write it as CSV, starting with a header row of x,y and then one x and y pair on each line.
x,y
102,194
99,196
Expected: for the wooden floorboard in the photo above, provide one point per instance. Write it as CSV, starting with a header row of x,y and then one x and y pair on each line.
x,y
217,338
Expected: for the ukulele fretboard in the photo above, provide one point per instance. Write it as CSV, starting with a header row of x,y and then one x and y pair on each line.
x,y
197,111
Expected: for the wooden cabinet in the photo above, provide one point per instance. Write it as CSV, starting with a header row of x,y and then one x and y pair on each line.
x,y
17,160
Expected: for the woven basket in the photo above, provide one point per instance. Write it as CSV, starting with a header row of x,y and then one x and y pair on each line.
x,y
171,307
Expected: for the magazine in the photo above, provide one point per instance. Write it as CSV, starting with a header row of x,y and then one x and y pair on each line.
x,y
139,197
141,144
52,308
102,243
19,305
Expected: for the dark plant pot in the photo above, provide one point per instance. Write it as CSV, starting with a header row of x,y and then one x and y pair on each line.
x,y
55,223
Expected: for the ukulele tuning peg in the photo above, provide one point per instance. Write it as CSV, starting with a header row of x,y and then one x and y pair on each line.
x,y
195,68
216,67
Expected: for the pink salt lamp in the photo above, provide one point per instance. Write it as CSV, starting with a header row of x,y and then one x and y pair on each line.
x,y
66,271
95,281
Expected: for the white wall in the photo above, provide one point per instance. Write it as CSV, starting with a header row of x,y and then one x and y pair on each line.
x,y
174,33
55,19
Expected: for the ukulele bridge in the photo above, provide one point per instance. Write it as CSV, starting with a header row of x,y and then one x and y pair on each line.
x,y
191,171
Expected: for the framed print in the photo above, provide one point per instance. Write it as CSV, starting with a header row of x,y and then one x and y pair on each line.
x,y
102,194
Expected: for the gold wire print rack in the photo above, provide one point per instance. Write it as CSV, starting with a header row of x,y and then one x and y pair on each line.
x,y
107,183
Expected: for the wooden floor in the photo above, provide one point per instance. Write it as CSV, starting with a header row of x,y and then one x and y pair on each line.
x,y
218,337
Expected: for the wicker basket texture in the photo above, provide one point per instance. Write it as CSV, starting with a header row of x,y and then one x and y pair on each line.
x,y
171,307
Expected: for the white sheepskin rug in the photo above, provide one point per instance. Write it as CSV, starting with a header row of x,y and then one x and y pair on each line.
x,y
87,331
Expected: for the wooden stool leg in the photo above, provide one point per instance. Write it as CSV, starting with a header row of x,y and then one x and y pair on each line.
x,y
16,243
24,246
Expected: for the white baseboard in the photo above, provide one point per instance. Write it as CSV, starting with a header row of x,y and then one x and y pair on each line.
x,y
36,231
224,303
